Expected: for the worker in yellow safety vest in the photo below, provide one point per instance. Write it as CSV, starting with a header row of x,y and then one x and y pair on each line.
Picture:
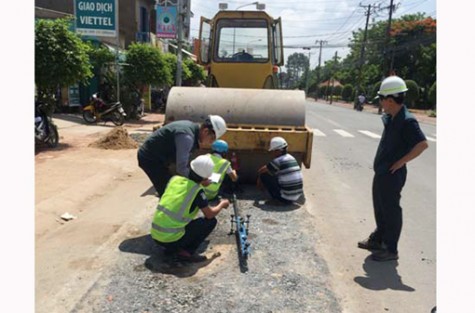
x,y
224,173
174,226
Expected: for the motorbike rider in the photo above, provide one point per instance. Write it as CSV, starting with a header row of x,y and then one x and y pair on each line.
x,y
361,101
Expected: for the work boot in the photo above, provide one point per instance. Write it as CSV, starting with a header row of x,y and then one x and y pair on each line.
x,y
370,244
384,255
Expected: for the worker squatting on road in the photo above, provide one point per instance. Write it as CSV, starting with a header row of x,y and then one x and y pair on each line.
x,y
225,174
174,226
173,144
282,176
401,142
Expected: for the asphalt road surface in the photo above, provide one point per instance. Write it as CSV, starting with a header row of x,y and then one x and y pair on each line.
x,y
340,180
304,258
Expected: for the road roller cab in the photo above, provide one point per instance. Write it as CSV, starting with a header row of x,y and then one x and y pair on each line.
x,y
242,51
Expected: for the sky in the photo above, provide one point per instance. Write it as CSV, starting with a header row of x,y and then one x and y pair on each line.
x,y
306,21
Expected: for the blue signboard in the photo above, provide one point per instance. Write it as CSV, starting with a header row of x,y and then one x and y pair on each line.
x,y
96,18
166,21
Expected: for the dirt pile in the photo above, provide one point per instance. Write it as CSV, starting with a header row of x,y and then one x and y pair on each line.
x,y
116,139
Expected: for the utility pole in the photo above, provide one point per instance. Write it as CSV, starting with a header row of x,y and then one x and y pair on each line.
x,y
389,52
361,61
333,77
308,70
321,43
180,16
388,60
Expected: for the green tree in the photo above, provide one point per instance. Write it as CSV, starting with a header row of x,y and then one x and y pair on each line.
x,y
61,58
337,91
347,92
412,46
412,94
433,96
197,73
146,65
297,64
171,61
100,56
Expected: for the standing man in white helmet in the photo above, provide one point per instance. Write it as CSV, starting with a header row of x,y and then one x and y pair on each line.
x,y
174,226
282,176
173,144
401,142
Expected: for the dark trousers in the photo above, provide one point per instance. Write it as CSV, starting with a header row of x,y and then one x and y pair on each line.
x,y
271,183
387,210
195,233
157,171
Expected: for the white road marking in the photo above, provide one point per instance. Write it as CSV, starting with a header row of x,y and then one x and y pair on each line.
x,y
431,139
343,133
317,132
370,134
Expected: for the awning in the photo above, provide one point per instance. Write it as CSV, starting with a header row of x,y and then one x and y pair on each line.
x,y
113,50
191,55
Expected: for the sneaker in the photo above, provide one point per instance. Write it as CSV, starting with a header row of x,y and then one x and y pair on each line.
x,y
385,255
370,244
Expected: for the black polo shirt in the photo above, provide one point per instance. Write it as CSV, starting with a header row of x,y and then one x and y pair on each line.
x,y
400,135
161,143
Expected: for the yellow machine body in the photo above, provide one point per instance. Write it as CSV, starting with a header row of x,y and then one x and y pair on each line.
x,y
242,51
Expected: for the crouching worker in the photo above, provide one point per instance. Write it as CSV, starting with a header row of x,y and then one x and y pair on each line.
x,y
282,176
223,169
174,226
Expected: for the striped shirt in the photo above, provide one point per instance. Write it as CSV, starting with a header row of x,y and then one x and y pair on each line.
x,y
289,176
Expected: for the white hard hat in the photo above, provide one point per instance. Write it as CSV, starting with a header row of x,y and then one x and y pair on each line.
x,y
277,143
219,125
203,166
392,85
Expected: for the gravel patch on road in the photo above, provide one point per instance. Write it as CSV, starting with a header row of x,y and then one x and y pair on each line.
x,y
285,272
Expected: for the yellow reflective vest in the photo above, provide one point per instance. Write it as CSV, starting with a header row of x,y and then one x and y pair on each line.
x,y
173,209
220,167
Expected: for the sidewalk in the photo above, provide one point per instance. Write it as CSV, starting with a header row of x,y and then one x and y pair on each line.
x,y
420,115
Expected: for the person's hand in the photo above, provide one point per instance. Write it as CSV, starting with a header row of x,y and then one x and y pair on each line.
x,y
396,166
225,203
206,182
263,169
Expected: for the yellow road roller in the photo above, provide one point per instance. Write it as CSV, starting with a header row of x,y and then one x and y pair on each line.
x,y
242,51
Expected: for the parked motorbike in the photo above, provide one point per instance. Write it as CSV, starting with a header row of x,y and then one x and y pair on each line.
x,y
97,110
138,109
46,132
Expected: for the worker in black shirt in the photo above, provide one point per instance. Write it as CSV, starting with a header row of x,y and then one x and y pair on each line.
x,y
401,142
173,144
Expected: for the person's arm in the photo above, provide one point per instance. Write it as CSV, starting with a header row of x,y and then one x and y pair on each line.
x,y
184,145
414,153
416,139
262,170
210,212
232,173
